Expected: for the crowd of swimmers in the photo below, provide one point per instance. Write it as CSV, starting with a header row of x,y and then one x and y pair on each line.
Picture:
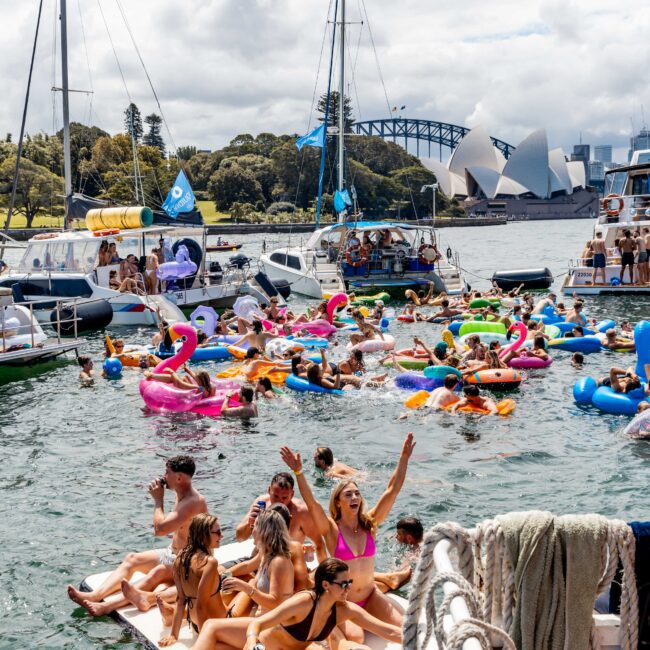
x,y
275,597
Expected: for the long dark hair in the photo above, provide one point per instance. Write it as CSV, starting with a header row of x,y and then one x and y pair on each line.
x,y
327,570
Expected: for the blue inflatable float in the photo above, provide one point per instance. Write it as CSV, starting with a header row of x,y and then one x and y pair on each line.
x,y
586,344
587,392
303,386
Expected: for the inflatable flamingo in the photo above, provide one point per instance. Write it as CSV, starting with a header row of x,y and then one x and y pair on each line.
x,y
525,360
333,303
318,327
162,397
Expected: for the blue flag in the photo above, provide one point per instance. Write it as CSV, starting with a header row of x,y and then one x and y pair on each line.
x,y
314,139
180,197
342,200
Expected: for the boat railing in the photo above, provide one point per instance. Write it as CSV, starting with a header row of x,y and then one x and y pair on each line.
x,y
59,304
634,208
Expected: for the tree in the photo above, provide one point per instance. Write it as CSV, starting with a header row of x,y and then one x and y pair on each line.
x,y
333,115
133,122
185,153
153,138
233,184
37,188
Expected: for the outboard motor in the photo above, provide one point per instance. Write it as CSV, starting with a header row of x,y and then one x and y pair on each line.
x,y
239,261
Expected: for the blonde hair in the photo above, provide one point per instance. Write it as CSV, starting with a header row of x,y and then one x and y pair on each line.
x,y
272,535
365,521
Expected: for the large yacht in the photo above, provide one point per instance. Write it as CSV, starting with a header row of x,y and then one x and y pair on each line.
x,y
626,206
64,265
365,256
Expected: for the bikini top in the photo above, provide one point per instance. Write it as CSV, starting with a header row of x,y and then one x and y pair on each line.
x,y
299,631
263,582
344,552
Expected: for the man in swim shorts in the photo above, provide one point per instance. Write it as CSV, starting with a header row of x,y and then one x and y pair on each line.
x,y
597,245
281,490
627,246
179,471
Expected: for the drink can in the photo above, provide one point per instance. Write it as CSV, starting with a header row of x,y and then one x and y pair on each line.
x,y
261,505
308,550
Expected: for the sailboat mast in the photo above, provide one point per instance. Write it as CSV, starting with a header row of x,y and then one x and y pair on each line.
x,y
341,161
67,164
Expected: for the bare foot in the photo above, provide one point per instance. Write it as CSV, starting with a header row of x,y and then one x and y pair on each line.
x,y
166,611
79,596
97,609
141,599
402,576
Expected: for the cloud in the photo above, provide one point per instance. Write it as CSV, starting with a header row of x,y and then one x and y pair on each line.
x,y
246,66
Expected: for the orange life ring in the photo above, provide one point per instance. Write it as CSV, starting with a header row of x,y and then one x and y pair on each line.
x,y
106,233
613,212
423,260
361,259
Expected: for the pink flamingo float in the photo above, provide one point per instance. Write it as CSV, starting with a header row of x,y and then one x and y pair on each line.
x,y
525,359
163,397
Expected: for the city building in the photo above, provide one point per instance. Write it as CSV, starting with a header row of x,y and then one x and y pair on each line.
x,y
639,142
596,174
603,153
534,183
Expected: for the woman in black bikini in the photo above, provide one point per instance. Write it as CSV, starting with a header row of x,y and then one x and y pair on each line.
x,y
306,617
197,579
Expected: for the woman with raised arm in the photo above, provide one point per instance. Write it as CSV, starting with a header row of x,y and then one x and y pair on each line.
x,y
304,619
349,532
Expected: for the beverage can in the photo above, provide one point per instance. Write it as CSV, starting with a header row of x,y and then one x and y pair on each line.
x,y
261,505
308,550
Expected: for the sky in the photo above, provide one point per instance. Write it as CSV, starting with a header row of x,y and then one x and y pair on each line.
x,y
578,68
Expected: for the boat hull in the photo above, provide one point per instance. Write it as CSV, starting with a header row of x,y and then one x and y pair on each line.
x,y
578,280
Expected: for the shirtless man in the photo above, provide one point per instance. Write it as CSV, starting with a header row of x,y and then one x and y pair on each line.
x,y
597,246
86,375
575,315
258,338
302,525
444,395
613,342
246,408
324,460
446,311
642,260
627,246
545,302
157,563
472,397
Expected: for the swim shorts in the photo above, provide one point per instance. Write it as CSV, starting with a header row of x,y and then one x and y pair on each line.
x,y
627,259
600,261
166,556
643,257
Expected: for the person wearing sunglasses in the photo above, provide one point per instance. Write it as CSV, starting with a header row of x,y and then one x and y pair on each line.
x,y
197,580
306,618
349,531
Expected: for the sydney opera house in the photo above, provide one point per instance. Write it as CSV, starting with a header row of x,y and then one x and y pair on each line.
x,y
534,183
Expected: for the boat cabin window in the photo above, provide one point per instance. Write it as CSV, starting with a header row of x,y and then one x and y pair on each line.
x,y
52,255
615,183
640,184
292,261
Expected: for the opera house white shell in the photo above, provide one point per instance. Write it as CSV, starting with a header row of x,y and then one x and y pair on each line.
x,y
477,168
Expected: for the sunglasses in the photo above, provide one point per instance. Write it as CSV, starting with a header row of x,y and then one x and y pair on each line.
x,y
344,584
216,532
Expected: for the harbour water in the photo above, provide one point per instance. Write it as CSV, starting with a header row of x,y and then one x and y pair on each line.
x,y
76,461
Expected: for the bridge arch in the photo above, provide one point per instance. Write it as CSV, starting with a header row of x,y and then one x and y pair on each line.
x,y
428,131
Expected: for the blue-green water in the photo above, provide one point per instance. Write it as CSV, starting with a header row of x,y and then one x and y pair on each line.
x,y
76,461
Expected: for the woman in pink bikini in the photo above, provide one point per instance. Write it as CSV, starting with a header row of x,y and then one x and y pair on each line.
x,y
349,533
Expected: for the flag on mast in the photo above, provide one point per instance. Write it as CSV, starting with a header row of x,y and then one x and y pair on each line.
x,y
315,138
180,197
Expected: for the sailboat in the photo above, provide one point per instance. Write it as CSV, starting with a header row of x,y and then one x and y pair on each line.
x,y
361,255
64,265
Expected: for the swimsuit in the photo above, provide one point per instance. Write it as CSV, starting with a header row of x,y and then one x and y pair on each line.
x,y
300,631
600,261
189,604
345,553
627,259
166,556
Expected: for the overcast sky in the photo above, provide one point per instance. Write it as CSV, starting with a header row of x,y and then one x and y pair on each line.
x,y
224,67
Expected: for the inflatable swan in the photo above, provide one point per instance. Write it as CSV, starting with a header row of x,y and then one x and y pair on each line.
x,y
161,396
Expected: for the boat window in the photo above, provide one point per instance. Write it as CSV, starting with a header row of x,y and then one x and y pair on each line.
x,y
51,255
615,183
643,158
640,184
279,258
293,262
56,287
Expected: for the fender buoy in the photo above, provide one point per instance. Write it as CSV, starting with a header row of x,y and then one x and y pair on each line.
x,y
607,205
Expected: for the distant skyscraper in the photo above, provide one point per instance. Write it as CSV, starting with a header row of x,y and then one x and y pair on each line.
x,y
582,153
638,142
595,171
603,153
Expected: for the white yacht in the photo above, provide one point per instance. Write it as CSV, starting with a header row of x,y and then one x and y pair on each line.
x,y
365,256
626,206
63,265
